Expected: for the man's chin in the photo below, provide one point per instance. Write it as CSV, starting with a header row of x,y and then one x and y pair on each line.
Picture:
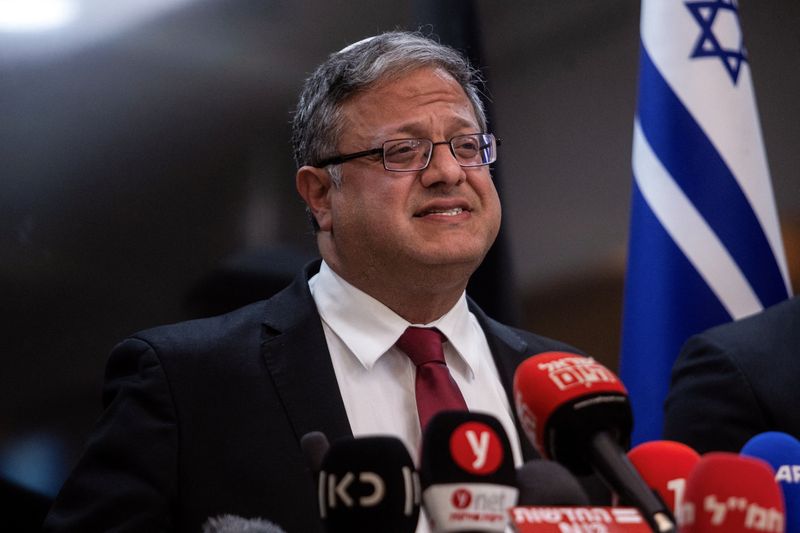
x,y
451,256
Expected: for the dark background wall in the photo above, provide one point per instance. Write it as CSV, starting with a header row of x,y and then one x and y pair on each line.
x,y
145,147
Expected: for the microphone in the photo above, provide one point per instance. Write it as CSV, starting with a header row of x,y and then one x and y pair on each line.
x,y
547,483
782,452
665,466
467,472
236,524
552,500
576,411
731,493
368,484
314,446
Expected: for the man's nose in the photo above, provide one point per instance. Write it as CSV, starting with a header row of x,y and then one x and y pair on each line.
x,y
443,168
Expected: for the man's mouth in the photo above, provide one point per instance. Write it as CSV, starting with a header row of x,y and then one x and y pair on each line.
x,y
445,212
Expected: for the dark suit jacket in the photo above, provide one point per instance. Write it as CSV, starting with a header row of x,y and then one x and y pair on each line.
x,y
204,418
737,380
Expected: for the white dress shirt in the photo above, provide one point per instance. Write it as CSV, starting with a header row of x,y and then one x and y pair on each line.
x,y
376,379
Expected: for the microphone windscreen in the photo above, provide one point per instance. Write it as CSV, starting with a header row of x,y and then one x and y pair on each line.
x,y
314,445
462,446
665,466
236,524
729,493
547,483
564,399
782,452
467,472
368,484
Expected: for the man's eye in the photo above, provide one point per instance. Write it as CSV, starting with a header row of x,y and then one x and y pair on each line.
x,y
403,151
467,146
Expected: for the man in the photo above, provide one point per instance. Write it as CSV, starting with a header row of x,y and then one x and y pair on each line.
x,y
204,418
737,380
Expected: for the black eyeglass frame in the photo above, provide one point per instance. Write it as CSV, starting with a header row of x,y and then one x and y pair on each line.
x,y
339,159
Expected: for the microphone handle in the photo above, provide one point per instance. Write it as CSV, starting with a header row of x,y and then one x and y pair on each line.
x,y
611,463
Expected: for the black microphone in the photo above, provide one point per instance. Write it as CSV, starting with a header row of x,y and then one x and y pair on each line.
x,y
547,483
236,524
368,484
467,472
576,411
552,499
314,445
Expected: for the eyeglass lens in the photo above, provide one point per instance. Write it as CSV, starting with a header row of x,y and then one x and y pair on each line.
x,y
414,154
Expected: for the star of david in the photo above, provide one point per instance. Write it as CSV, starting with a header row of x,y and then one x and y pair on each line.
x,y
708,45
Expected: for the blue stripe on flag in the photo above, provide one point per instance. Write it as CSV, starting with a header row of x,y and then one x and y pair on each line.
x,y
696,166
666,301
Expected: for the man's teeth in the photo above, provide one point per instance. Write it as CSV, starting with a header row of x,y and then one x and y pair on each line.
x,y
447,212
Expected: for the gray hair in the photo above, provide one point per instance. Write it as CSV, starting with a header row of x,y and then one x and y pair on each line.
x,y
318,120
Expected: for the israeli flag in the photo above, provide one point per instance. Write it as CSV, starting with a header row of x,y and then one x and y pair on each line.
x,y
705,245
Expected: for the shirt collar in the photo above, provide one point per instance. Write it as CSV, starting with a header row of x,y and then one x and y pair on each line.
x,y
369,328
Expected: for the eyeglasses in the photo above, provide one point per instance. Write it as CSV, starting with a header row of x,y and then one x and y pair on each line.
x,y
411,155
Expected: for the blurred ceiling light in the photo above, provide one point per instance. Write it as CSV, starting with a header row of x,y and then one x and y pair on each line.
x,y
36,15
46,29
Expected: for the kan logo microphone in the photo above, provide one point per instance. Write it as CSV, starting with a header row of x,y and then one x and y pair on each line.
x,y
368,484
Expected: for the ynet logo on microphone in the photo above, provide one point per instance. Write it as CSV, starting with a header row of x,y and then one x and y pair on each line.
x,y
476,448
478,503
462,498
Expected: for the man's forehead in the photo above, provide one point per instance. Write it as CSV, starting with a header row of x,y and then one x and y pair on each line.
x,y
420,84
419,72
423,102
452,123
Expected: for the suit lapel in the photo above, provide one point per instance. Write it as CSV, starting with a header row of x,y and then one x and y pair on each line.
x,y
508,351
298,361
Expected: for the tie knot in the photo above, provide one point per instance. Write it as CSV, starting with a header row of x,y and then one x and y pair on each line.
x,y
422,345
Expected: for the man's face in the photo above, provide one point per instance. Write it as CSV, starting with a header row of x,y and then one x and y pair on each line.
x,y
389,223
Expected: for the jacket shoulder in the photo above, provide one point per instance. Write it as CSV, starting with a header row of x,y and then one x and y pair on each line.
x,y
518,339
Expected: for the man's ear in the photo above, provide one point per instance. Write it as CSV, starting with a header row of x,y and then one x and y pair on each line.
x,y
314,185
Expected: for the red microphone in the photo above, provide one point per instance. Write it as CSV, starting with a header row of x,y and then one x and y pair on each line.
x,y
555,390
665,466
576,411
729,493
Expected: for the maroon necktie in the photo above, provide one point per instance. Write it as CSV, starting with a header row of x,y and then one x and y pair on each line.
x,y
435,389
